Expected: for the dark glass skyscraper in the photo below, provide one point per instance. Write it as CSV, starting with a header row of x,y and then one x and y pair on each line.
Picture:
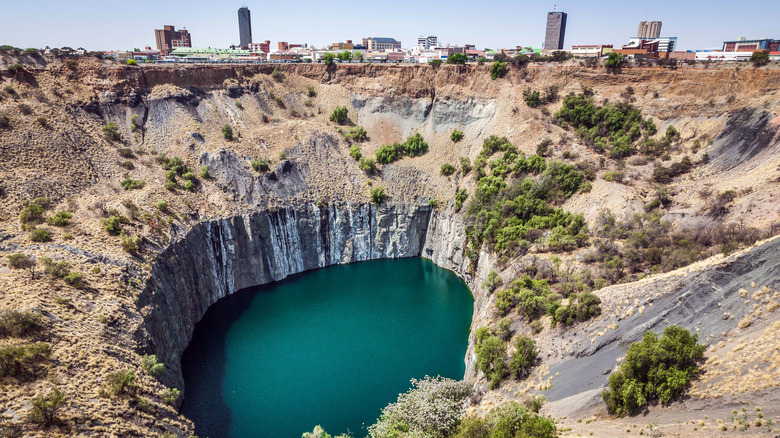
x,y
244,27
556,29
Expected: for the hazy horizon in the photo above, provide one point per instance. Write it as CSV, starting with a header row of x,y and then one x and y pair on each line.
x,y
97,25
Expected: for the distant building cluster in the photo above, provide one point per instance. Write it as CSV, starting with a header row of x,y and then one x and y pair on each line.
x,y
176,46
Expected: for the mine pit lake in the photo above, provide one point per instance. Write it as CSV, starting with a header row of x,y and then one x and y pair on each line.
x,y
331,347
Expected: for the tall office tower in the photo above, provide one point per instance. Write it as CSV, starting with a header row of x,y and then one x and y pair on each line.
x,y
245,27
556,30
649,30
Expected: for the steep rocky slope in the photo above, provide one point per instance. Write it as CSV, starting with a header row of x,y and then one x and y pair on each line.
x,y
240,227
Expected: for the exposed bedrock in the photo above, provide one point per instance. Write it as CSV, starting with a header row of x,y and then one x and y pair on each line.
x,y
217,258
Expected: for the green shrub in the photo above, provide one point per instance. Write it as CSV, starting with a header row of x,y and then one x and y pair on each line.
x,y
498,69
189,185
57,270
111,131
493,282
367,165
260,165
310,91
339,115
113,225
614,60
460,198
532,98
354,152
457,58
760,58
524,358
15,67
612,128
582,307
491,357
654,370
204,172
135,122
130,243
44,408
170,396
132,62
435,62
31,214
40,235
152,366
22,361
543,149
42,121
614,175
239,105
465,165
121,382
161,205
171,185
456,136
18,323
414,146
447,169
132,184
378,195
328,58
356,134
277,74
74,279
227,132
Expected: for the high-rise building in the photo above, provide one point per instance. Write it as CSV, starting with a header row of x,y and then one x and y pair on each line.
x,y
244,27
556,30
649,29
427,42
168,38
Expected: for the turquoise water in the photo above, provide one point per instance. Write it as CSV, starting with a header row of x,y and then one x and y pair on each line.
x,y
331,346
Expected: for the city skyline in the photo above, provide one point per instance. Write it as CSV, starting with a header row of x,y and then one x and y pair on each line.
x,y
101,26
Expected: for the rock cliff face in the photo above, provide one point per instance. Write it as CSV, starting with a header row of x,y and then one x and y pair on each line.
x,y
217,258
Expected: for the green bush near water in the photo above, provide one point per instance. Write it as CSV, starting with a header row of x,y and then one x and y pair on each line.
x,y
655,369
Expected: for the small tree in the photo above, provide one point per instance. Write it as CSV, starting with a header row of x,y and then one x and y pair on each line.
x,y
435,62
357,56
277,74
111,131
152,366
260,165
614,60
760,58
227,132
355,153
328,58
456,136
457,58
498,70
339,115
121,382
345,56
21,261
378,195
447,169
46,407
524,358
367,165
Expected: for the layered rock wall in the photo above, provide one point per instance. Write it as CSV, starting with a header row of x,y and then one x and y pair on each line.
x,y
217,258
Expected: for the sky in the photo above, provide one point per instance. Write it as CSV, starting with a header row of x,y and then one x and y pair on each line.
x,y
104,25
